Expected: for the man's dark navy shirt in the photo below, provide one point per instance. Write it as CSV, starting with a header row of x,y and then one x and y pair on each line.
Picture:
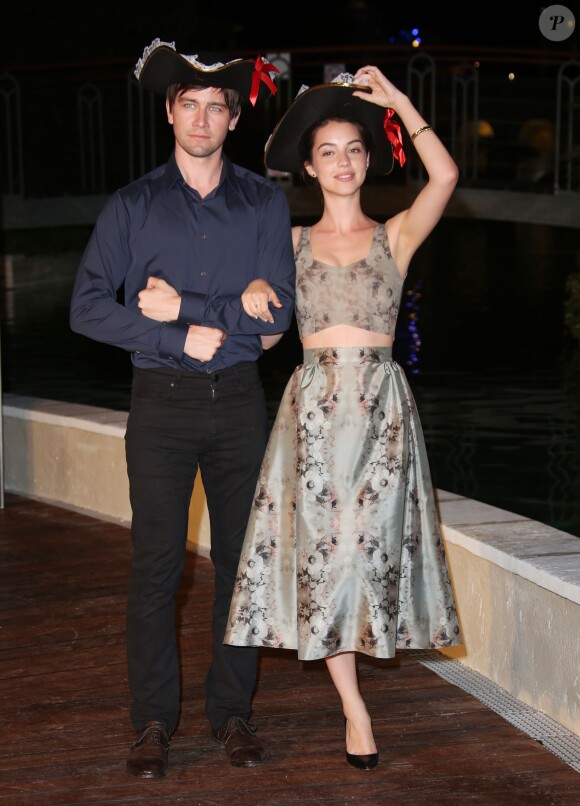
x,y
207,248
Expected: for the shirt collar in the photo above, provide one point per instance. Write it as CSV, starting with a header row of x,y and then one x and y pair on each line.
x,y
173,174
228,173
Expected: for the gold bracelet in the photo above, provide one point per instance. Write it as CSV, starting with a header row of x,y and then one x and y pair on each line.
x,y
420,131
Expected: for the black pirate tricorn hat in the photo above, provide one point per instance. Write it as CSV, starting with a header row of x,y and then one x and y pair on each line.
x,y
326,101
161,65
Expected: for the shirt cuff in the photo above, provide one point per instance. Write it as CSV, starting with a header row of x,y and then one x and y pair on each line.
x,y
172,340
192,308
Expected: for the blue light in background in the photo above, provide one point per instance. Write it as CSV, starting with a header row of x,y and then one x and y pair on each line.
x,y
412,304
405,37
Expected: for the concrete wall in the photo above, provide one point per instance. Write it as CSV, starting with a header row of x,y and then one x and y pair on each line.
x,y
74,456
517,581
517,584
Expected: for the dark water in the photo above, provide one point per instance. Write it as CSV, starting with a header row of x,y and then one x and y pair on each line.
x,y
481,337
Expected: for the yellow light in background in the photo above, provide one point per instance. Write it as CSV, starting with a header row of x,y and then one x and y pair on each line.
x,y
416,43
511,76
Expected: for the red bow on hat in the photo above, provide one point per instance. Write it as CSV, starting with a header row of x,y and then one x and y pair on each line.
x,y
393,132
261,72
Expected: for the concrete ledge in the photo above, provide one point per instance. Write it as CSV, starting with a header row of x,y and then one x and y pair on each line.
x,y
560,209
74,456
517,581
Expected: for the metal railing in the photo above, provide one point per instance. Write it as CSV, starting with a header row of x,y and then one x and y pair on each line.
x,y
511,120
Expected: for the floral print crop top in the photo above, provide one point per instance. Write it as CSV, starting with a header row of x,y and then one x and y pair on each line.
x,y
365,294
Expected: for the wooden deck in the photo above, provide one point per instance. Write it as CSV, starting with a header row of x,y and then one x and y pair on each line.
x,y
64,700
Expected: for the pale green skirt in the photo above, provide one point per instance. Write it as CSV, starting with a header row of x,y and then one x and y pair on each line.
x,y
343,550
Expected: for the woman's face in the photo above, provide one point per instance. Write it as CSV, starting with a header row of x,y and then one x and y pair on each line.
x,y
339,158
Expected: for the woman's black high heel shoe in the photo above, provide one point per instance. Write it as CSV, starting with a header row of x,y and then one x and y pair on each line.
x,y
365,762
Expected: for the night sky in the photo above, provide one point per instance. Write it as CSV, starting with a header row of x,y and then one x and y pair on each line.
x,y
53,33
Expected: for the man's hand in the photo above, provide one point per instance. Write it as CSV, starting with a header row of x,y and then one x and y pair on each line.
x,y
203,342
255,300
159,301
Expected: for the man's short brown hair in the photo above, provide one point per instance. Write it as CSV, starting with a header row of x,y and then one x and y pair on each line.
x,y
231,97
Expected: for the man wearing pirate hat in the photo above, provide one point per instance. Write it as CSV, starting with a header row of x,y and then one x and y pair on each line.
x,y
184,241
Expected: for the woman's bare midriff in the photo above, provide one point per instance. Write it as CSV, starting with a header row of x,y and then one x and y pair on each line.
x,y
346,336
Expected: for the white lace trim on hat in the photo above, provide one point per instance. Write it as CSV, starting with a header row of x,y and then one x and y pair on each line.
x,y
341,78
201,66
157,43
192,59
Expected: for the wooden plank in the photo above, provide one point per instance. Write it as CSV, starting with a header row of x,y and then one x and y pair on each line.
x,y
64,700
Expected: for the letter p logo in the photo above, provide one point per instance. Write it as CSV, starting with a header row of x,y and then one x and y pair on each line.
x,y
557,23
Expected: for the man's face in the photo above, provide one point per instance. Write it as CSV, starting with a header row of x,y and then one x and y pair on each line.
x,y
201,121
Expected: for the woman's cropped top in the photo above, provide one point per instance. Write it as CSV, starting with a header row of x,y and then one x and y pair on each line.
x,y
365,294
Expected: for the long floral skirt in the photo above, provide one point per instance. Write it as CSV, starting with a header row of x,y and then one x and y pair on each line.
x,y
343,550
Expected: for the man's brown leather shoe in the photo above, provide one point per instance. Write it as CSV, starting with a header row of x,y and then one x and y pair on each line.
x,y
149,754
241,746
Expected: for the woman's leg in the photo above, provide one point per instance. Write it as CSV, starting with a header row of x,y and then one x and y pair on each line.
x,y
359,732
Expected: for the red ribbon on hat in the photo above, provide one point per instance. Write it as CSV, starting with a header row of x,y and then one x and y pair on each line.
x,y
393,132
261,72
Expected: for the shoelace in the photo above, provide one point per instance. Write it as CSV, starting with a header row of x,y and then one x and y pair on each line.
x,y
235,724
153,735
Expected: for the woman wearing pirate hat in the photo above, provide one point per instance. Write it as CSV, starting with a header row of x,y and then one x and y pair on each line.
x,y
343,551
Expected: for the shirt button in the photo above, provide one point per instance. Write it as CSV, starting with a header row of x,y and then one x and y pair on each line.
x,y
203,237
203,274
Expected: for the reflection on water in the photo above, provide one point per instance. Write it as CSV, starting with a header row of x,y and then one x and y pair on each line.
x,y
481,338
507,442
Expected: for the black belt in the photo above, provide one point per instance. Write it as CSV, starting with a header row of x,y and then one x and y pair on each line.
x,y
243,368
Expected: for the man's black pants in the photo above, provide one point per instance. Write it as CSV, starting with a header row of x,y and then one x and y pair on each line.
x,y
177,422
